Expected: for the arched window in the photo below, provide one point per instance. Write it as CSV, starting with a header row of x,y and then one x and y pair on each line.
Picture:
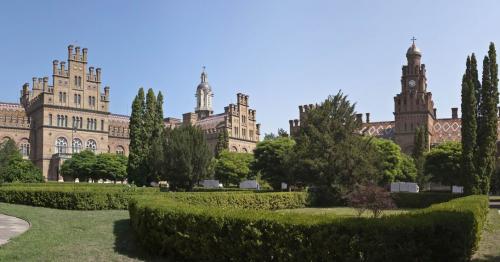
x,y
91,145
245,150
234,149
24,147
61,145
5,139
77,145
120,150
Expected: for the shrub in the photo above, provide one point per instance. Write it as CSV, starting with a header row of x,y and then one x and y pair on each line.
x,y
444,232
370,197
421,200
71,196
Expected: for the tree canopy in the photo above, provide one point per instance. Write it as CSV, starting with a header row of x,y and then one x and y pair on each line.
x,y
232,167
87,165
442,163
13,168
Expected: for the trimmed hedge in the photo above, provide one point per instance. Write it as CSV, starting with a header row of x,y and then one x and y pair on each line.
x,y
180,231
71,196
245,200
422,200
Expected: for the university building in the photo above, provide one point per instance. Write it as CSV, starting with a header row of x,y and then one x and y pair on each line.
x,y
413,108
71,114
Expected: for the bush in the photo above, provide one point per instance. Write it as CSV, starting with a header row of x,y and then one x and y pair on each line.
x,y
262,201
71,196
421,200
444,232
370,197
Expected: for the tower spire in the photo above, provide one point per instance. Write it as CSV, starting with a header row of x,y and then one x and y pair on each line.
x,y
204,77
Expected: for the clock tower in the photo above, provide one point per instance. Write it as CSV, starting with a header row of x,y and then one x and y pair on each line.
x,y
413,107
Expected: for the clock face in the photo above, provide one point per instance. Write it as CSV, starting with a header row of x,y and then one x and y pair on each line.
x,y
412,83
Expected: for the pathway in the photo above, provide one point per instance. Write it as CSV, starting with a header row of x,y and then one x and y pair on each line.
x,y
11,227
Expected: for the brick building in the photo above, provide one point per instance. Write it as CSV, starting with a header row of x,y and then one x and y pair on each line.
x,y
413,107
71,114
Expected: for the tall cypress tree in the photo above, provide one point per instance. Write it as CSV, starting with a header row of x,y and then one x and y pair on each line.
x,y
222,142
420,146
137,140
487,129
156,155
470,178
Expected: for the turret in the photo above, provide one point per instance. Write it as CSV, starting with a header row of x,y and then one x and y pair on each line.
x,y
77,53
70,52
55,65
98,74
84,54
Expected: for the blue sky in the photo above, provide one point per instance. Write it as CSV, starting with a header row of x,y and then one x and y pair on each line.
x,y
281,53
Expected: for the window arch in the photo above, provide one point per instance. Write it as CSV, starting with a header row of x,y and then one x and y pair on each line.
x,y
77,145
245,150
91,145
234,149
5,139
120,150
24,147
61,145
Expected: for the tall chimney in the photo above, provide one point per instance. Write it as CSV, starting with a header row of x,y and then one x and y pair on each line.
x,y
359,117
454,112
367,117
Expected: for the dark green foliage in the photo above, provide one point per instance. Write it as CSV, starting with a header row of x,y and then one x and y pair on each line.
x,y
488,120
420,147
442,163
422,199
13,168
136,157
271,160
232,167
86,165
187,157
244,199
444,232
157,143
395,166
222,142
470,94
81,196
330,152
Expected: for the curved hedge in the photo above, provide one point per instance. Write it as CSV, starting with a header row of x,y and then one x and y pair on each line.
x,y
180,231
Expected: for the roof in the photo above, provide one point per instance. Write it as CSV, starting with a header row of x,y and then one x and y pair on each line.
x,y
211,122
11,106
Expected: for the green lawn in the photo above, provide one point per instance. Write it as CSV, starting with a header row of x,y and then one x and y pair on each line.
x,y
489,247
338,211
67,235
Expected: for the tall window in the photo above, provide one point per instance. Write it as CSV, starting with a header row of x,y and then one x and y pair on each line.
x,y
61,145
60,97
244,133
77,145
91,145
50,119
236,131
64,97
243,119
102,125
24,148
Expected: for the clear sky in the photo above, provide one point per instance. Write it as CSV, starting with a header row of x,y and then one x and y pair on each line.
x,y
281,53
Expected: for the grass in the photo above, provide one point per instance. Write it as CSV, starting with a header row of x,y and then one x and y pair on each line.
x,y
489,247
68,235
339,211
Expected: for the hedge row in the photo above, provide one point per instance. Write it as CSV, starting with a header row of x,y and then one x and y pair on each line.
x,y
260,201
179,231
93,197
421,200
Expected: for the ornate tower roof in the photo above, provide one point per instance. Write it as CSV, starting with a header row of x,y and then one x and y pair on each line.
x,y
204,81
413,49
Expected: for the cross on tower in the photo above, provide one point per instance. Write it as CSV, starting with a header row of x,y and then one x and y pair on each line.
x,y
413,39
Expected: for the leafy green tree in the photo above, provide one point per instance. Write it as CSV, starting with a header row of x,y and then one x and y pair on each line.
x,y
110,166
222,142
269,136
420,147
442,163
470,178
330,152
232,167
157,141
13,168
187,157
488,120
135,167
81,166
271,161
394,164
408,169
